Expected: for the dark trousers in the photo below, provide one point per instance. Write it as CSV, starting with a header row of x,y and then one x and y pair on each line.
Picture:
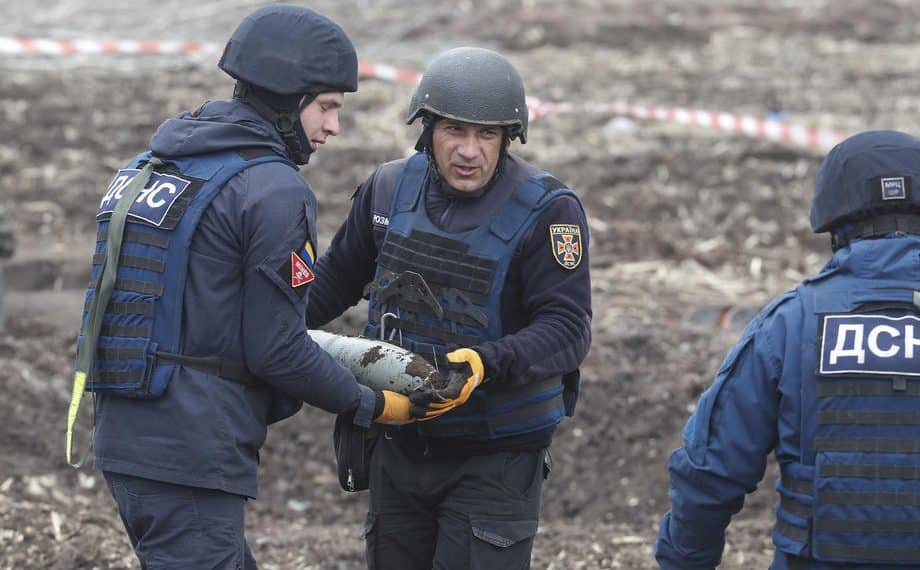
x,y
174,526
476,513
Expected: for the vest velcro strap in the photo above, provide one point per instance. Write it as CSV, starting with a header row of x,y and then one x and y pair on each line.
x,y
142,263
525,391
447,274
462,305
886,554
796,533
222,367
801,486
797,563
867,445
870,471
116,308
115,377
135,286
448,426
433,243
142,287
411,326
794,507
134,262
125,331
849,417
881,526
121,353
856,498
527,412
459,317
872,388
145,238
143,309
459,424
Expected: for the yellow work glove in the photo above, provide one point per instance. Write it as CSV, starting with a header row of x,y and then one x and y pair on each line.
x,y
466,373
394,410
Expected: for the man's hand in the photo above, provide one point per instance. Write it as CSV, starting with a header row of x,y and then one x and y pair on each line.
x,y
392,408
466,373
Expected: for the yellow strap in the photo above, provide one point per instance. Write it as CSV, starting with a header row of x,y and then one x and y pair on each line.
x,y
309,248
79,385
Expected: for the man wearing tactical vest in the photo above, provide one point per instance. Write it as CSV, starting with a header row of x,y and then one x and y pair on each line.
x,y
827,377
478,261
193,338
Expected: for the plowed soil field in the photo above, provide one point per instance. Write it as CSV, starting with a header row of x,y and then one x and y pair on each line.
x,y
692,231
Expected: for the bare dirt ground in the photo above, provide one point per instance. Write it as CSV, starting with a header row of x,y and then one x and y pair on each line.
x,y
692,230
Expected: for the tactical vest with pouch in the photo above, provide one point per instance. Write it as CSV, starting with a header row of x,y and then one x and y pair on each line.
x,y
855,496
436,291
139,342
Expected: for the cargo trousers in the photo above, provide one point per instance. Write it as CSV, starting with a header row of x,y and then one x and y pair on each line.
x,y
479,512
175,526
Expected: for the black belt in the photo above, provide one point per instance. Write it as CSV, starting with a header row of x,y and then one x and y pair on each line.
x,y
226,369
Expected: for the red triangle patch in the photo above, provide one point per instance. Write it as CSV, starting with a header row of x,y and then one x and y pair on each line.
x,y
301,274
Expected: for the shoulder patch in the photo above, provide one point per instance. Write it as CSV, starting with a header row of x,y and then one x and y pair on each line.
x,y
565,241
301,274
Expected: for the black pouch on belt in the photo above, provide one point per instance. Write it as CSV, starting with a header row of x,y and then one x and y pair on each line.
x,y
353,448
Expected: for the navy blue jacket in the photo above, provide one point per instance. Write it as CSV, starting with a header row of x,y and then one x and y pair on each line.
x,y
545,309
238,304
771,394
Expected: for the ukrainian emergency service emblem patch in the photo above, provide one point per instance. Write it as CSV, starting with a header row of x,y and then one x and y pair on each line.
x,y
565,239
301,274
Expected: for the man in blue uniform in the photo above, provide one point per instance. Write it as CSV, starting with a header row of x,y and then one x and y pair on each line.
x,y
827,376
193,338
478,261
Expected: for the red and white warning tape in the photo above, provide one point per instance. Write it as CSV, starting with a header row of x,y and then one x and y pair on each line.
x,y
764,128
43,46
813,139
388,73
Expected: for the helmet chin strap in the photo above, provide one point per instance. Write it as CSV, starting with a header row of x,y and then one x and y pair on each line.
x,y
286,123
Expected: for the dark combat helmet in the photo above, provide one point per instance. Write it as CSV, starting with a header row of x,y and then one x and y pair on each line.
x,y
473,85
864,187
282,57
